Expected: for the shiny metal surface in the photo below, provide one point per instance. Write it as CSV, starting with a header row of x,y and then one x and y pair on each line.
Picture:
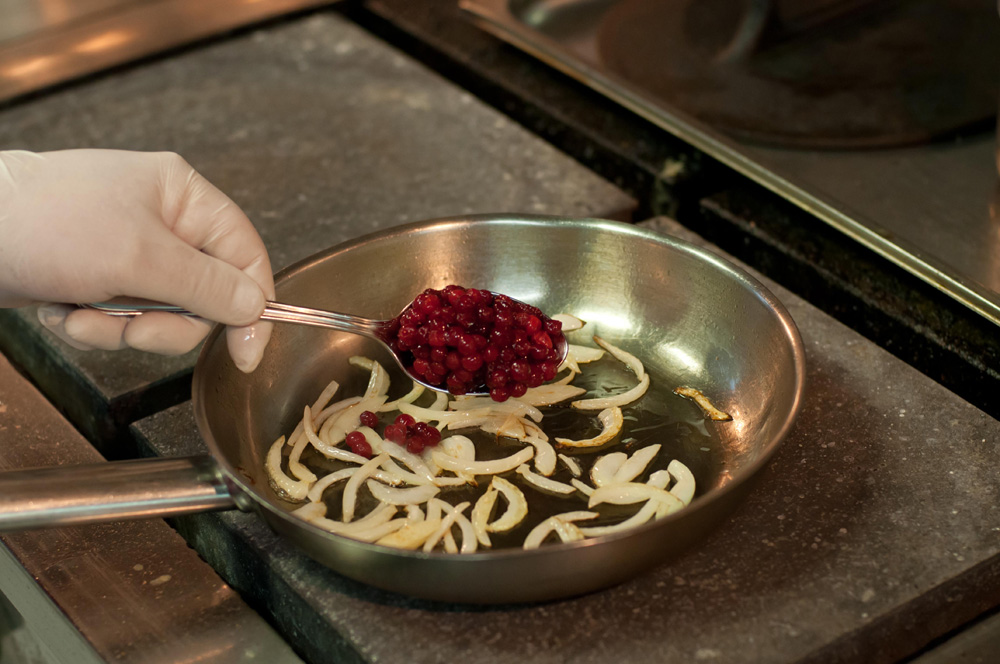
x,y
689,314
286,313
45,42
100,492
926,208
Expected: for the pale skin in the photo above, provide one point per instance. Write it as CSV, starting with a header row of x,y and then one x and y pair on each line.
x,y
81,226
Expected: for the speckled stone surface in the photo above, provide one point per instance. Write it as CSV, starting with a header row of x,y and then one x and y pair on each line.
x,y
321,133
875,529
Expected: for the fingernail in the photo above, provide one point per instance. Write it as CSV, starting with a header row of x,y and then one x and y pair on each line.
x,y
246,345
51,315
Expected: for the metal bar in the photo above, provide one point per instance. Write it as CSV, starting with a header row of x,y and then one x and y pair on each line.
x,y
134,489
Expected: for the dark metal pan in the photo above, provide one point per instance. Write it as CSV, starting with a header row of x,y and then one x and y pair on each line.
x,y
692,317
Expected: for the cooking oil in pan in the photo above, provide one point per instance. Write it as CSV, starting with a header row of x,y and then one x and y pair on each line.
x,y
659,417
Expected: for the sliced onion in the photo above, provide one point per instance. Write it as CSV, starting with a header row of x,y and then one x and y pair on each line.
x,y
317,489
561,524
602,473
520,407
336,428
414,513
707,407
645,513
636,463
481,515
585,354
582,487
444,526
285,485
551,393
569,322
623,399
544,483
574,467
626,358
444,416
630,493
315,513
411,536
469,540
460,447
378,381
517,506
492,467
684,489
611,421
412,461
324,397
328,450
660,479
401,475
545,455
351,489
410,495
409,397
377,532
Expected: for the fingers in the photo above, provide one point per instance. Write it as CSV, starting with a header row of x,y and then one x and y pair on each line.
x,y
166,334
154,332
207,220
53,317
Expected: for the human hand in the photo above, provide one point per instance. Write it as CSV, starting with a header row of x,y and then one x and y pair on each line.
x,y
82,226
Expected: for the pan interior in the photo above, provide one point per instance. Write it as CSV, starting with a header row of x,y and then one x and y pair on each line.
x,y
692,319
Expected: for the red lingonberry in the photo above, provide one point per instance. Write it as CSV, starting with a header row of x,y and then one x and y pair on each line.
x,y
427,301
472,362
396,433
406,420
500,394
358,444
466,339
369,419
520,370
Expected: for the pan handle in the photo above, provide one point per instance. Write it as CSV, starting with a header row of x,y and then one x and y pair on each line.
x,y
112,491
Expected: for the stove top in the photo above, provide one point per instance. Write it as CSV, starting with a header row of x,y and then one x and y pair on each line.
x,y
878,116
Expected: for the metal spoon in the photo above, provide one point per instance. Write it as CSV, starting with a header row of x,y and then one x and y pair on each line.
x,y
286,313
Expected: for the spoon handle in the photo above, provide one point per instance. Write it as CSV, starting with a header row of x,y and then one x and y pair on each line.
x,y
273,311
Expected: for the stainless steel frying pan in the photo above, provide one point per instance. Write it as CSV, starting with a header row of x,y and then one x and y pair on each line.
x,y
692,317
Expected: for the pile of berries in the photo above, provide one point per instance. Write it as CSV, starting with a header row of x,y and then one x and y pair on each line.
x,y
405,431
471,340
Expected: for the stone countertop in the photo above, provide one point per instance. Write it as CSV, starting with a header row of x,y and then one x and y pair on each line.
x,y
873,531
320,132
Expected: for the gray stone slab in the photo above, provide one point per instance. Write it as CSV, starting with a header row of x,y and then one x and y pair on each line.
x,y
134,590
321,133
873,531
